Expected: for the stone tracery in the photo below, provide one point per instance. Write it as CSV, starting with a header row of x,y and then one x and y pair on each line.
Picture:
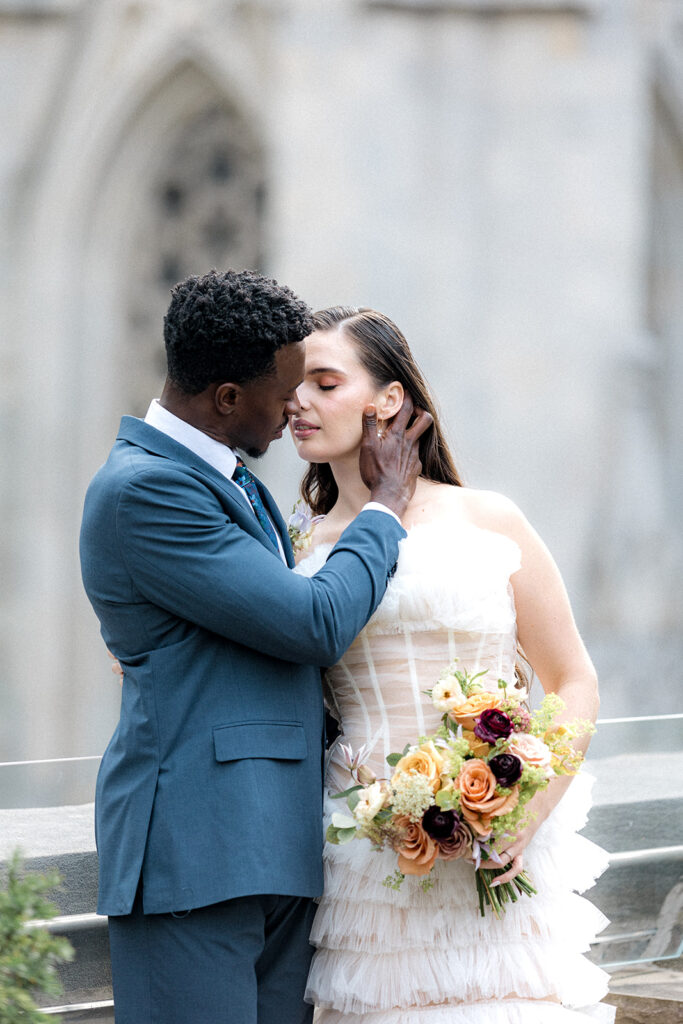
x,y
203,207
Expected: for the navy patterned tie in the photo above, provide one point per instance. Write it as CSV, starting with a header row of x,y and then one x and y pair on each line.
x,y
245,479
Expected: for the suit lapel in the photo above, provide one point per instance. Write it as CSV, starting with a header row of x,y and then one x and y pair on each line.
x,y
143,435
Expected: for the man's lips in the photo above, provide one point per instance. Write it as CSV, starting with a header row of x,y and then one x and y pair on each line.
x,y
278,432
302,428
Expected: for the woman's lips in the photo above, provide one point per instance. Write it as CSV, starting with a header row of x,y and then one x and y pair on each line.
x,y
303,429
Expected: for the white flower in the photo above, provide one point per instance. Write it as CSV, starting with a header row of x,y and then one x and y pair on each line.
x,y
447,694
351,760
371,801
413,794
300,524
301,518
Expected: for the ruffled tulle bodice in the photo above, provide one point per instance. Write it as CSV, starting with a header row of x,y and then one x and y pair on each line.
x,y
416,957
445,601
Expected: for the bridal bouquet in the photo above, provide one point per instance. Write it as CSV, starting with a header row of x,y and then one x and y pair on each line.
x,y
462,792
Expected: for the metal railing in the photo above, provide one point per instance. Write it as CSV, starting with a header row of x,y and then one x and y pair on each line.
x,y
87,1013
79,922
102,1010
675,716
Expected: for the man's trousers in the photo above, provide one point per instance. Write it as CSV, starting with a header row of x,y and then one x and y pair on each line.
x,y
243,961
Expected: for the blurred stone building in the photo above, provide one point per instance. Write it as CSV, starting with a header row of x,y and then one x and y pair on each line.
x,y
504,178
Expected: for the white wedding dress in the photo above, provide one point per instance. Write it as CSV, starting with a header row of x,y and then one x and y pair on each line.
x,y
416,957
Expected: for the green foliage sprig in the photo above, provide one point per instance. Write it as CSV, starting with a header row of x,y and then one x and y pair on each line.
x,y
28,956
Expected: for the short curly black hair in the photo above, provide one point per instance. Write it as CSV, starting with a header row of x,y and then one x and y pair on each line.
x,y
227,326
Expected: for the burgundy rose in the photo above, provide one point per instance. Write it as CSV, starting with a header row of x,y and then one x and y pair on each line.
x,y
492,725
507,768
457,845
439,824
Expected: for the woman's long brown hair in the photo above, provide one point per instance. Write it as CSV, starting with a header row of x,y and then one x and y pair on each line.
x,y
384,353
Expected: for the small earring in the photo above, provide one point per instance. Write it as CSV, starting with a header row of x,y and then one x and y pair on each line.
x,y
380,430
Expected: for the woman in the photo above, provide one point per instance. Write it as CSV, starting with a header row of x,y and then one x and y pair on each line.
x,y
474,582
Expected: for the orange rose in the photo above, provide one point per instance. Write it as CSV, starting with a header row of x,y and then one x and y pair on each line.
x,y
426,760
417,851
466,714
479,802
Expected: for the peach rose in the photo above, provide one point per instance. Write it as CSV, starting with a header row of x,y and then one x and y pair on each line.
x,y
426,760
466,714
416,850
479,802
532,750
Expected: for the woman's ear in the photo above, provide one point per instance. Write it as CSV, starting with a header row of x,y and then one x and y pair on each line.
x,y
389,401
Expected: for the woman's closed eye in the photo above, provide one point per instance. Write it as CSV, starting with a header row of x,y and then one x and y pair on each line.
x,y
327,387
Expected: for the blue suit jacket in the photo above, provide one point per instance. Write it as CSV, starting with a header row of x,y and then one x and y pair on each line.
x,y
211,785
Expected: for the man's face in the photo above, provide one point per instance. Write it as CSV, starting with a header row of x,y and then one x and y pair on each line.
x,y
266,404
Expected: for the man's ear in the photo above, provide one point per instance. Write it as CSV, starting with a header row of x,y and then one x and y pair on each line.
x,y
390,401
226,398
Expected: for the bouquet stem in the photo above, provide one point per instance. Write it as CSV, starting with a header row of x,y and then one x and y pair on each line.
x,y
497,896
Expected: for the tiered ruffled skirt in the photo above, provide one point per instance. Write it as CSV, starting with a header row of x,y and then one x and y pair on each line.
x,y
416,957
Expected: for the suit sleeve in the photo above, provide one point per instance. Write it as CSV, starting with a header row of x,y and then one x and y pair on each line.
x,y
185,555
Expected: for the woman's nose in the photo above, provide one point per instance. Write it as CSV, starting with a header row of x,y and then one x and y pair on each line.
x,y
293,407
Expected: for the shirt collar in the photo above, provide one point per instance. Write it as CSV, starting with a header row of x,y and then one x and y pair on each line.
x,y
218,455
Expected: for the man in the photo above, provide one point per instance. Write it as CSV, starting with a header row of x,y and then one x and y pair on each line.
x,y
209,798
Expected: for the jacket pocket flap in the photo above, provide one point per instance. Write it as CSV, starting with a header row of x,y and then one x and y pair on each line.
x,y
284,741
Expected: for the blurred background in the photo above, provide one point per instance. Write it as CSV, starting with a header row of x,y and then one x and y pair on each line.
x,y
503,178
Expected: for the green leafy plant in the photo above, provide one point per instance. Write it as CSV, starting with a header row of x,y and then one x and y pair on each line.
x,y
28,955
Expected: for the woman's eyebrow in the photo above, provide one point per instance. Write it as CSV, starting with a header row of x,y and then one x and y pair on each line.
x,y
326,369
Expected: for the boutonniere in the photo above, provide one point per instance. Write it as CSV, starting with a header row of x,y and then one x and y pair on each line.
x,y
300,525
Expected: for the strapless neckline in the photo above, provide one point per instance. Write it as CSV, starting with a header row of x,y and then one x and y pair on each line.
x,y
452,527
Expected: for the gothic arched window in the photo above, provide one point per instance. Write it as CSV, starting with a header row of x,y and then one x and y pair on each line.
x,y
203,208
